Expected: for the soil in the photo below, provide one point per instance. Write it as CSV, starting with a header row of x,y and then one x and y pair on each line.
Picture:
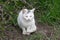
x,y
15,33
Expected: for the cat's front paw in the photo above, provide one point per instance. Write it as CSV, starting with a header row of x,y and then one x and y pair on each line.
x,y
27,33
24,33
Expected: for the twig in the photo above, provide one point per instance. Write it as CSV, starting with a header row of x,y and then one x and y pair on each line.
x,y
1,12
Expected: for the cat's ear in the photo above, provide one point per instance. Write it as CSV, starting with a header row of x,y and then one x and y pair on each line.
x,y
24,11
33,10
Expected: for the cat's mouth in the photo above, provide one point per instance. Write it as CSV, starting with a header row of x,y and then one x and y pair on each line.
x,y
28,20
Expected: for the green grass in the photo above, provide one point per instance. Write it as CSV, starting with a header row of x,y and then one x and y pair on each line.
x,y
47,12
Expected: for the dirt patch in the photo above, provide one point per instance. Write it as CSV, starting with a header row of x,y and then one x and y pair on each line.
x,y
14,33
45,29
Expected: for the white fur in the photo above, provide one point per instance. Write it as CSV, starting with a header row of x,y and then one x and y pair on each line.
x,y
27,24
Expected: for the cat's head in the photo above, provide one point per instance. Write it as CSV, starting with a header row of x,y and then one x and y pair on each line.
x,y
28,14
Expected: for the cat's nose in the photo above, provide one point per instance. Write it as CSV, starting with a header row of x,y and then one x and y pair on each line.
x,y
28,19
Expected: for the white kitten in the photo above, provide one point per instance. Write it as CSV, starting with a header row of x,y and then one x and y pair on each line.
x,y
26,21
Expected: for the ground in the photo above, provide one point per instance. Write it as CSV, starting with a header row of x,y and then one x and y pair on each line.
x,y
14,33
47,11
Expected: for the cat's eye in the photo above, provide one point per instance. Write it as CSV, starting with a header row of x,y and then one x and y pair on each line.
x,y
26,16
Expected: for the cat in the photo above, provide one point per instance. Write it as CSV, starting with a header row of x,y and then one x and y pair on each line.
x,y
26,21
